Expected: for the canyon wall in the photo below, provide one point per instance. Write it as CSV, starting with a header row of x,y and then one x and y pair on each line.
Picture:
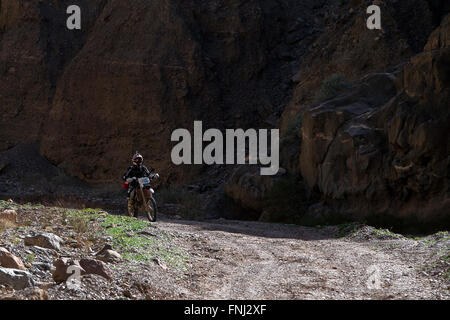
x,y
137,70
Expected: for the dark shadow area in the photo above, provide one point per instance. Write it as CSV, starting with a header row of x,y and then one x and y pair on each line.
x,y
27,177
259,229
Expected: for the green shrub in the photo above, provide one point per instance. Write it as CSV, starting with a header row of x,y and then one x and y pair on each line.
x,y
346,229
30,257
331,87
294,126
138,240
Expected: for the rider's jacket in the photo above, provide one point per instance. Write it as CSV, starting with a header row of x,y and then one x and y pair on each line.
x,y
136,171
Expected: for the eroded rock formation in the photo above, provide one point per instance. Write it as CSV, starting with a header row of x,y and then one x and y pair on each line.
x,y
379,150
140,69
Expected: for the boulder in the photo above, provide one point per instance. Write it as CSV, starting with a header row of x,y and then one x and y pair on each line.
x,y
86,266
93,266
60,273
8,260
108,255
44,240
247,187
17,279
9,215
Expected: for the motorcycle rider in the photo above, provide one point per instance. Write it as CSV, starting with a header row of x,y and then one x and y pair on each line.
x,y
138,170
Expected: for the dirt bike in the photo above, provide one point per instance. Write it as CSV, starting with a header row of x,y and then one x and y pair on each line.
x,y
142,197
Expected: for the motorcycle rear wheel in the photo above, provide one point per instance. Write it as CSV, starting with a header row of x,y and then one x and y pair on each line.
x,y
151,209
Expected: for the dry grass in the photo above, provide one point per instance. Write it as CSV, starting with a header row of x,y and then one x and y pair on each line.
x,y
6,224
76,219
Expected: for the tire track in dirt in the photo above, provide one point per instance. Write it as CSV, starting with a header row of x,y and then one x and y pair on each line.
x,y
252,260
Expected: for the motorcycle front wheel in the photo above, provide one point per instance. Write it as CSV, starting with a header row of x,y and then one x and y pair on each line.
x,y
132,208
151,209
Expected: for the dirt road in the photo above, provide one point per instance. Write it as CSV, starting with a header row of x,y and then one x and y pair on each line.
x,y
227,259
251,260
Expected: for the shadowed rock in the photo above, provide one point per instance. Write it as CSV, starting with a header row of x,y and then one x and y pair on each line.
x,y
8,260
44,240
17,279
60,273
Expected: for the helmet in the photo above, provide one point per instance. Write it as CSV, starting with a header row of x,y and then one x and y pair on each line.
x,y
137,158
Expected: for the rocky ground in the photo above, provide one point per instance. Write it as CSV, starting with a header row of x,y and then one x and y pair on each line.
x,y
125,258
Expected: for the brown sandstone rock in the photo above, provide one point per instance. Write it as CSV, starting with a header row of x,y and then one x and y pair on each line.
x,y
60,273
247,187
94,96
351,49
8,260
93,266
108,255
85,265
376,153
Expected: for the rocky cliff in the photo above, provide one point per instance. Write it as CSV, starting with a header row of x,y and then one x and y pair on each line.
x,y
138,70
372,150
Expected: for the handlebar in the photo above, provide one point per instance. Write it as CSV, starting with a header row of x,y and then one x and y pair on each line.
x,y
152,176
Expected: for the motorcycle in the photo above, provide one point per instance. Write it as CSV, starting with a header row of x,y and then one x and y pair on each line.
x,y
141,198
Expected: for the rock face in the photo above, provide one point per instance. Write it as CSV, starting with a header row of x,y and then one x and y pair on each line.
x,y
17,279
337,138
32,57
248,188
375,152
136,71
44,240
347,148
8,260
346,46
